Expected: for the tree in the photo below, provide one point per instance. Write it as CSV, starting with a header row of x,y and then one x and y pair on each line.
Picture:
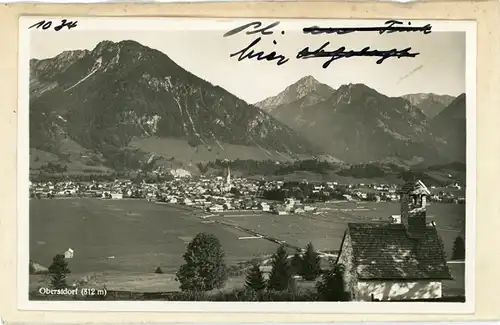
x,y
58,271
311,267
281,275
408,176
331,286
204,267
235,191
296,264
458,249
255,279
203,168
371,197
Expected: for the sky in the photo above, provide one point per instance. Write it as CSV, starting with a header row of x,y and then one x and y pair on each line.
x,y
439,68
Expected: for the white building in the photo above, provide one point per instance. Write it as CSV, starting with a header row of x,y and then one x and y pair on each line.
x,y
216,208
116,195
264,206
69,253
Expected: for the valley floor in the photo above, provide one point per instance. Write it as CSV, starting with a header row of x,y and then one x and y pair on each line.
x,y
120,243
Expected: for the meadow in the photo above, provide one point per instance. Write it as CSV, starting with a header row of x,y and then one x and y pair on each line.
x,y
120,243
326,227
125,235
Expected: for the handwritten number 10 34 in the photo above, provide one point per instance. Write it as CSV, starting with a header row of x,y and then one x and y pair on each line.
x,y
46,24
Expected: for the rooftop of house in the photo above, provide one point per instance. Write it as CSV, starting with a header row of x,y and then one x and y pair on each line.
x,y
385,252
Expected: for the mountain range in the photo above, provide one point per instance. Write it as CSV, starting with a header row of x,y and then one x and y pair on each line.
x,y
113,105
358,124
123,105
430,104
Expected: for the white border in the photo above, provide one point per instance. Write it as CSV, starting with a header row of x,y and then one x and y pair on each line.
x,y
122,23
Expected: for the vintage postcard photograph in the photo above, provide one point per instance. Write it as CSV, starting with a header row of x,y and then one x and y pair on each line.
x,y
184,164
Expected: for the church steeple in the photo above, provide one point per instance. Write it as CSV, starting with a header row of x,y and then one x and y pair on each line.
x,y
413,207
228,179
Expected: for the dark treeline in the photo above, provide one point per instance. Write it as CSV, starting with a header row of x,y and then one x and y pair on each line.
x,y
363,170
367,171
304,192
270,167
456,166
54,168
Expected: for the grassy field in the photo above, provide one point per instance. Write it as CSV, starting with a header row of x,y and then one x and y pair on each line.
x,y
140,235
120,243
326,227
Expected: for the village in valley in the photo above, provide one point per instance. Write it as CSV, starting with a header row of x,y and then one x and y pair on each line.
x,y
220,199
154,175
217,194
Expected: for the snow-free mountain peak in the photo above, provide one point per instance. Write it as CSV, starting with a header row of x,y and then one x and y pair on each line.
x,y
306,85
356,123
431,104
122,101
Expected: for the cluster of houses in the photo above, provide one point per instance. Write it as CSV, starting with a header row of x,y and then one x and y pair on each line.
x,y
293,206
218,194
106,190
389,193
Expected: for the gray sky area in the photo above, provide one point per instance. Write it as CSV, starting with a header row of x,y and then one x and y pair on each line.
x,y
440,67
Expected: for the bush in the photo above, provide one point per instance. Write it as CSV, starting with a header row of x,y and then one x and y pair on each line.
x,y
458,249
58,271
299,295
159,270
255,279
245,294
203,168
204,269
281,273
51,167
310,268
331,286
238,294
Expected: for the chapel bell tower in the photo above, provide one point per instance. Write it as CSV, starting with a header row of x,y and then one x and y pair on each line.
x,y
413,208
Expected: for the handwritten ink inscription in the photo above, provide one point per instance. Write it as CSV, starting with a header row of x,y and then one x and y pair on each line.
x,y
391,26
341,53
46,24
249,52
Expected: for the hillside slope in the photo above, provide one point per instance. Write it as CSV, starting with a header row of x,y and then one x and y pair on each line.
x,y
451,126
101,100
